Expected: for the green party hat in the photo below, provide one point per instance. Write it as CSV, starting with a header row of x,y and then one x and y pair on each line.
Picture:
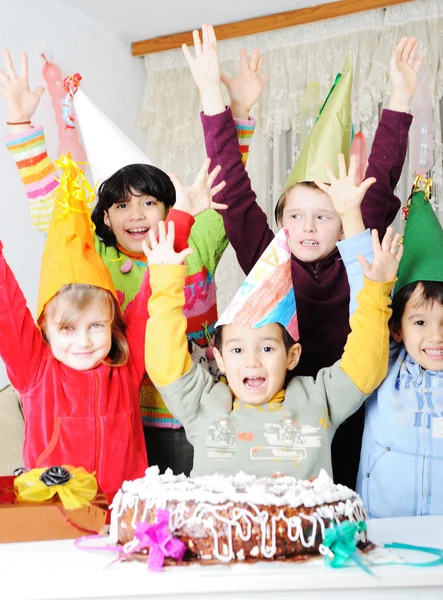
x,y
330,135
423,239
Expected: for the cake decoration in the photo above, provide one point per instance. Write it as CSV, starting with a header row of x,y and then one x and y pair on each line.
x,y
224,519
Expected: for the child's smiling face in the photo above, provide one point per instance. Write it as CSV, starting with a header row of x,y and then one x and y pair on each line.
x,y
255,361
313,224
421,330
86,340
131,219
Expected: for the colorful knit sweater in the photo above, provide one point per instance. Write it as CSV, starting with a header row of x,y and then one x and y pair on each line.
x,y
208,240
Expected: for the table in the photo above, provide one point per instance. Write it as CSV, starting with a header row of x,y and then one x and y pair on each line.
x,y
59,570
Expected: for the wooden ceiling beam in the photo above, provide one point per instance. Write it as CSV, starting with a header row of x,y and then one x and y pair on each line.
x,y
267,23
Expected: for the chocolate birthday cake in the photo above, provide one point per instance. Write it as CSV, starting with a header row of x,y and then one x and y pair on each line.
x,y
240,517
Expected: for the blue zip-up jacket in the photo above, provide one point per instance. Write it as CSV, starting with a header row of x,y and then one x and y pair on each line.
x,y
401,461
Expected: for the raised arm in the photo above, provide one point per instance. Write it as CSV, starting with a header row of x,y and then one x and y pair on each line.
x,y
208,237
380,205
27,144
245,223
341,389
366,353
168,362
136,313
347,198
21,343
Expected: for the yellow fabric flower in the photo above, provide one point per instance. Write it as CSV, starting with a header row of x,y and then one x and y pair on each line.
x,y
77,492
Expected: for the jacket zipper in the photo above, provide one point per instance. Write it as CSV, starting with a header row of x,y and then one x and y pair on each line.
x,y
423,433
97,424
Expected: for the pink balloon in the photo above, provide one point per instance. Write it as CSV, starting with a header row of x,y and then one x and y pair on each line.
x,y
68,137
51,73
358,148
422,131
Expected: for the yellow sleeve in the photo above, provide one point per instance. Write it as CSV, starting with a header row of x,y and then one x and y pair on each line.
x,y
166,346
366,354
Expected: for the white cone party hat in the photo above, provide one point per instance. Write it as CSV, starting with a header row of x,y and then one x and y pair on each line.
x,y
108,149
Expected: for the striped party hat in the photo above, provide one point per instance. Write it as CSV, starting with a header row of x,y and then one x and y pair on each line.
x,y
266,295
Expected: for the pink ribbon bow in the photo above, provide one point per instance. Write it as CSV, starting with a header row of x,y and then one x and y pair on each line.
x,y
156,537
159,540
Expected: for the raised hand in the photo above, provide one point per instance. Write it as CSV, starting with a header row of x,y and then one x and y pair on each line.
x,y
205,69
162,250
344,192
387,257
197,198
346,195
245,89
205,66
404,66
21,103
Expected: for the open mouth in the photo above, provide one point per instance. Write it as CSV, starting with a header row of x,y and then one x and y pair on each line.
x,y
138,232
254,383
309,243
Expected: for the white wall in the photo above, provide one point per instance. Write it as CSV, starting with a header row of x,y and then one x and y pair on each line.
x,y
112,78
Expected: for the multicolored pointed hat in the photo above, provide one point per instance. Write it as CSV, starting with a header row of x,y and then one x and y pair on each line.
x,y
423,239
330,135
266,295
69,255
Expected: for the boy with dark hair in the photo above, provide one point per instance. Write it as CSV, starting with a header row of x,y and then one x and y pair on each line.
x,y
318,274
256,422
401,462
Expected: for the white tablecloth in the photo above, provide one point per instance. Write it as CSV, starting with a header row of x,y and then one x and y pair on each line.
x,y
59,570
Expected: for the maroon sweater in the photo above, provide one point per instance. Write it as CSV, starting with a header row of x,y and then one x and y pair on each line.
x,y
321,290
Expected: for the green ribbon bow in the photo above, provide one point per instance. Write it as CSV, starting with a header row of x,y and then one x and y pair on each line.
x,y
340,545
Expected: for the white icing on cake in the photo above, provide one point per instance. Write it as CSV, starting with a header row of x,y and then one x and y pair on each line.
x,y
215,493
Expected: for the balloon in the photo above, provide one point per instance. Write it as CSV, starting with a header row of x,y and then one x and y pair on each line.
x,y
422,131
310,106
68,136
358,148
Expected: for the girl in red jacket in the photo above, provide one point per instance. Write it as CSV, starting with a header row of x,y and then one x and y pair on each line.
x,y
79,371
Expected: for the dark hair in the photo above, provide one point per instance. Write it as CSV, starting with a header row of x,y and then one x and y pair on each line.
x,y
143,180
432,291
218,338
280,206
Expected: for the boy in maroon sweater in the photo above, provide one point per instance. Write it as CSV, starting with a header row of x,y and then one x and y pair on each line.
x,y
319,277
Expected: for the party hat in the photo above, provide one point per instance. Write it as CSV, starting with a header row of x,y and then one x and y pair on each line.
x,y
108,149
69,255
330,135
266,295
423,239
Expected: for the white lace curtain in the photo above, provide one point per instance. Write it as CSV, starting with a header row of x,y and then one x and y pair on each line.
x,y
294,58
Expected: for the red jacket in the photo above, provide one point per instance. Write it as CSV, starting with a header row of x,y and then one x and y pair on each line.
x,y
82,418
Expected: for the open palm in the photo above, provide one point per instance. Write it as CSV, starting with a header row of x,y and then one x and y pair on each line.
x,y
205,66
404,66
343,191
197,198
387,256
162,250
245,89
21,103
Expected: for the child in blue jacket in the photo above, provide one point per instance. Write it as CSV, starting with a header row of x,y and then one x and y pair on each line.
x,y
401,462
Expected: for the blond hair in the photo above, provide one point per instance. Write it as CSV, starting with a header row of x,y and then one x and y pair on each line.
x,y
77,297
